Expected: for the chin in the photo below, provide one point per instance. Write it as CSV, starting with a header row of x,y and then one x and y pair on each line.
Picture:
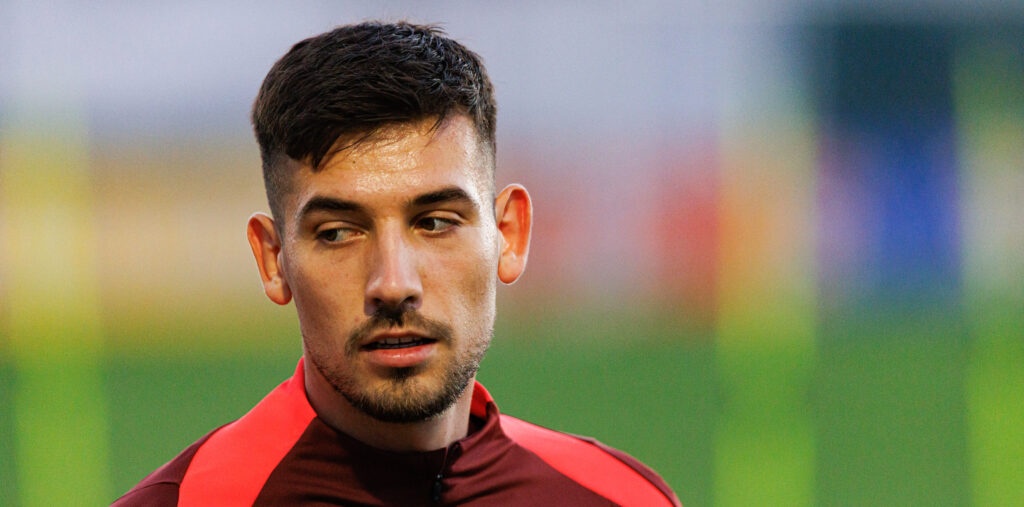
x,y
406,399
403,395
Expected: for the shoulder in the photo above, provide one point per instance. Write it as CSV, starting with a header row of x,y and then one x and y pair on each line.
x,y
230,465
161,487
607,471
158,494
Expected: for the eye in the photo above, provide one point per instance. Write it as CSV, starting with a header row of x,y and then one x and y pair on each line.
x,y
435,224
336,235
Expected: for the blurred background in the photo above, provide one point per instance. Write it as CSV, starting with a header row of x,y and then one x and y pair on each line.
x,y
778,254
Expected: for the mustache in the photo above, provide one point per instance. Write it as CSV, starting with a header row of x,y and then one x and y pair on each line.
x,y
396,317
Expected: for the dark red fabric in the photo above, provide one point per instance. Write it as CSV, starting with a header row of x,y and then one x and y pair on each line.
x,y
485,468
503,461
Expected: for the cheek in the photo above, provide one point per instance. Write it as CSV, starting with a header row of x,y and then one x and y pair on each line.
x,y
328,297
467,281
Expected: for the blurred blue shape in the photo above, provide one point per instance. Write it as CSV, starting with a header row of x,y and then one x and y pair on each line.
x,y
885,96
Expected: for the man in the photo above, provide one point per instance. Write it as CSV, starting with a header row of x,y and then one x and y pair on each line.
x,y
378,145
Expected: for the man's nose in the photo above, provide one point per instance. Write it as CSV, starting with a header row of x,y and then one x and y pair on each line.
x,y
394,280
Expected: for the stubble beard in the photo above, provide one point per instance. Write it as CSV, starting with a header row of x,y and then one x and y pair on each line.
x,y
403,398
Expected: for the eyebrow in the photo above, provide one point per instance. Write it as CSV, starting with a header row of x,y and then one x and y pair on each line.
x,y
323,203
444,195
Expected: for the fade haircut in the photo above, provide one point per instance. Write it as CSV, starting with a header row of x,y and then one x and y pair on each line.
x,y
357,79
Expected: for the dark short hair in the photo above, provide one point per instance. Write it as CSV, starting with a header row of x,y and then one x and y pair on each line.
x,y
356,79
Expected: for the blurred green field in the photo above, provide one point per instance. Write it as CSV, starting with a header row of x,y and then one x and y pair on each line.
x,y
889,416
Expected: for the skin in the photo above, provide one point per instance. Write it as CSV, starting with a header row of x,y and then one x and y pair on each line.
x,y
440,260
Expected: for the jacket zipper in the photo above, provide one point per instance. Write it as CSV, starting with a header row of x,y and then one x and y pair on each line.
x,y
435,495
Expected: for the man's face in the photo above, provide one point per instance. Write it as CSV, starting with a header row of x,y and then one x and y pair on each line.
x,y
390,252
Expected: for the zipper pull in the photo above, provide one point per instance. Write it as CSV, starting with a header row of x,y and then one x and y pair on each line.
x,y
436,490
436,496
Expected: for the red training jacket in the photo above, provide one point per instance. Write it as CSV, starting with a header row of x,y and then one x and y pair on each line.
x,y
281,453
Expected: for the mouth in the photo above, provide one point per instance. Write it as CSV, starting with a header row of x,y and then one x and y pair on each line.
x,y
398,342
400,349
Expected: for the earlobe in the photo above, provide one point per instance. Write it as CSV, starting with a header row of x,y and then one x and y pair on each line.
x,y
266,248
514,213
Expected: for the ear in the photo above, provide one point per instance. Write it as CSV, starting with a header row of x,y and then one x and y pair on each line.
x,y
514,213
266,248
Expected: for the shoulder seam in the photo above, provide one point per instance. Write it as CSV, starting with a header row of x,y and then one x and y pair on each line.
x,y
176,483
140,491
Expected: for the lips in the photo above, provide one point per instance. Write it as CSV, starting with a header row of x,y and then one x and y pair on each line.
x,y
397,342
399,350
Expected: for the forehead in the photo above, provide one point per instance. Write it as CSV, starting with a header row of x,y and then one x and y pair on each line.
x,y
396,162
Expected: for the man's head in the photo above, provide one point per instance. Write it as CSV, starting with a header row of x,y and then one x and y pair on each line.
x,y
378,155
339,88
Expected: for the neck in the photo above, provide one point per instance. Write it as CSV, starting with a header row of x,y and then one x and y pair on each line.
x,y
435,433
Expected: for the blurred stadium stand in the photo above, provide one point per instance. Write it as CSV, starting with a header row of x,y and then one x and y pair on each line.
x,y
779,246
